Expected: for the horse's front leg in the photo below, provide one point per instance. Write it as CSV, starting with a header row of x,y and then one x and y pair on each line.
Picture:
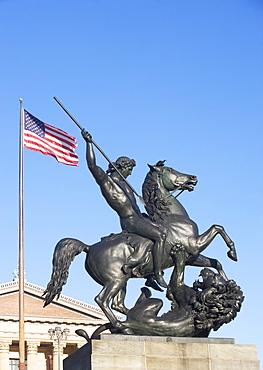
x,y
202,241
202,261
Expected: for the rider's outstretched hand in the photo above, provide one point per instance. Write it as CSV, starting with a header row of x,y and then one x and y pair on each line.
x,y
86,136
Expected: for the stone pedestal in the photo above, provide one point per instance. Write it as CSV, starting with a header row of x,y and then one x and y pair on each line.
x,y
113,352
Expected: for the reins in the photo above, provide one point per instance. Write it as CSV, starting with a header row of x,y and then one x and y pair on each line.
x,y
170,194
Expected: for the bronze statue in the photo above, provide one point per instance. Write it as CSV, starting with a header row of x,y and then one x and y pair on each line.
x,y
182,246
165,237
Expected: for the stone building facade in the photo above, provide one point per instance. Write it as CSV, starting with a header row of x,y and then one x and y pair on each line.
x,y
42,353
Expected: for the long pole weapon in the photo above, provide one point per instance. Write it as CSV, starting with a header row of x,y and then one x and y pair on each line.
x,y
101,151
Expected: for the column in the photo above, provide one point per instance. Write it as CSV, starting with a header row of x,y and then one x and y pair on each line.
x,y
4,355
32,355
49,362
58,356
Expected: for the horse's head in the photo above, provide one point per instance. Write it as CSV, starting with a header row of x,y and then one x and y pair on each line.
x,y
171,179
159,181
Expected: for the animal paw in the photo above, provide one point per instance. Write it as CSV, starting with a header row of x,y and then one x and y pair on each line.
x,y
127,331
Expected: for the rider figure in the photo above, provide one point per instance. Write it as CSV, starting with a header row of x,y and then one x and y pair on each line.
x,y
121,198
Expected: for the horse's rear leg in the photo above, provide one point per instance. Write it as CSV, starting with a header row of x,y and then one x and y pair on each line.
x,y
118,301
203,240
203,261
108,292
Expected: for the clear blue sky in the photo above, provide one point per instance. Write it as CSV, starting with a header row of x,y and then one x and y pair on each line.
x,y
150,79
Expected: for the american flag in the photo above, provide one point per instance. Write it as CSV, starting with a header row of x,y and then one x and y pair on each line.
x,y
49,140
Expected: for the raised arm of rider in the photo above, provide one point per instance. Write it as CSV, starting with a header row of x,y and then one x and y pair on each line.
x,y
96,171
86,136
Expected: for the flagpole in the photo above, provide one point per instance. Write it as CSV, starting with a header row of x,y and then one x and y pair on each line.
x,y
21,244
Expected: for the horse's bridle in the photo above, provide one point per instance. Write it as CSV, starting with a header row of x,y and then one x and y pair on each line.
x,y
170,194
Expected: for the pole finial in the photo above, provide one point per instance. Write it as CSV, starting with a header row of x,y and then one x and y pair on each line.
x,y
20,99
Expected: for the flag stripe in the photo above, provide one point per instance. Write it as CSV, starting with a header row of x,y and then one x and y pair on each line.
x,y
70,140
36,145
50,143
58,142
32,141
59,159
49,140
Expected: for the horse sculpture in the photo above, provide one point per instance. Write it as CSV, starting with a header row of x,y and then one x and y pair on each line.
x,y
105,259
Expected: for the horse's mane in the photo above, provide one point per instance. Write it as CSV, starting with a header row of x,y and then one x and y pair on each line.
x,y
156,204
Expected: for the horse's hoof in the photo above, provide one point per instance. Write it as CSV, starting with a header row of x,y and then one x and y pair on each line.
x,y
151,283
160,280
232,255
127,331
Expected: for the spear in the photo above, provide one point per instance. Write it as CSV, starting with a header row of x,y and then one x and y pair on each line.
x,y
101,151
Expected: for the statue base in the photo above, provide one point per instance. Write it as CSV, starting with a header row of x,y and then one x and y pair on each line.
x,y
116,351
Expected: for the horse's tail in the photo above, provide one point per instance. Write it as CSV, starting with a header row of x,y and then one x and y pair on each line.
x,y
65,252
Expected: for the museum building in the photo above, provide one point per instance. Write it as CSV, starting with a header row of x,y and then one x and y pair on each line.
x,y
43,352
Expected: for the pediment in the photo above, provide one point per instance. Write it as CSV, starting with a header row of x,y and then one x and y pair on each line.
x,y
64,308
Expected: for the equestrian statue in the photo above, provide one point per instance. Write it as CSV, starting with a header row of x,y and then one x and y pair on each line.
x,y
148,244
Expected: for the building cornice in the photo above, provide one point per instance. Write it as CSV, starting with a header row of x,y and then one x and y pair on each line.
x,y
63,300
